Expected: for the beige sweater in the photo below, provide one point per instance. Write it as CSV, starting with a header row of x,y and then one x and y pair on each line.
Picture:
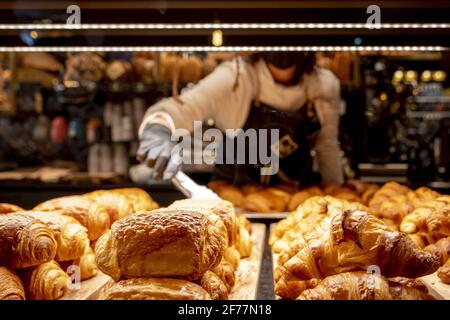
x,y
214,97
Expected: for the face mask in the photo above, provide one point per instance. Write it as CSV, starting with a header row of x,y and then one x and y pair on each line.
x,y
284,60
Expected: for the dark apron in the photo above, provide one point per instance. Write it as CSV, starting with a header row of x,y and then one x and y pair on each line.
x,y
296,132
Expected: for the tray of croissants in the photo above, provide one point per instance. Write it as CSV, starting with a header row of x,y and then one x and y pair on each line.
x,y
393,245
119,244
275,202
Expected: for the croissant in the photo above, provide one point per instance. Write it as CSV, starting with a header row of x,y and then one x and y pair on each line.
x,y
11,287
162,243
45,282
25,241
394,201
117,204
88,212
138,197
357,186
70,235
431,216
225,271
86,263
249,188
264,201
362,286
288,286
310,214
244,243
8,208
390,201
224,209
391,224
444,272
345,193
227,192
232,256
214,286
440,249
368,194
300,196
422,239
333,241
154,289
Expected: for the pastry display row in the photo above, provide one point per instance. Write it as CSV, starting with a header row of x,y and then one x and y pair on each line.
x,y
357,241
189,250
287,197
328,247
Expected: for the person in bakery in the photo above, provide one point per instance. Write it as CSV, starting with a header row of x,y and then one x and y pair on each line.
x,y
270,90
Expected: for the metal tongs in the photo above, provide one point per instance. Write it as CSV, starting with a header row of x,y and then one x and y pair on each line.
x,y
191,189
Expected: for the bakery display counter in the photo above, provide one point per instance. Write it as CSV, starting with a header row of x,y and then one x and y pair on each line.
x,y
119,243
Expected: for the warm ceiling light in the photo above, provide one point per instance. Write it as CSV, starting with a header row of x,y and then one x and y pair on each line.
x,y
217,38
34,34
188,26
221,49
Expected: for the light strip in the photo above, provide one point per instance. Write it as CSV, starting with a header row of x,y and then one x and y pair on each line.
x,y
190,26
221,49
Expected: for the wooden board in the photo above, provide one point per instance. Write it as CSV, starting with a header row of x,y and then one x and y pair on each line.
x,y
247,274
89,289
436,287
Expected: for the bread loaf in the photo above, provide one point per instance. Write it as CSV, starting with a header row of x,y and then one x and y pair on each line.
x,y
154,289
224,209
177,243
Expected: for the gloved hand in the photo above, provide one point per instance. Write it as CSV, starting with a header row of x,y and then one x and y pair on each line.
x,y
159,152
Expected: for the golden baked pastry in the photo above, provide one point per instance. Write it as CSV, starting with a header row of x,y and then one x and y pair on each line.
x,y
71,236
8,208
422,239
368,194
25,241
444,272
232,256
45,282
327,236
224,209
225,271
440,249
116,204
227,192
214,286
300,196
87,211
86,263
139,198
395,201
250,188
288,286
432,216
360,285
264,201
345,193
154,289
11,287
162,243
244,242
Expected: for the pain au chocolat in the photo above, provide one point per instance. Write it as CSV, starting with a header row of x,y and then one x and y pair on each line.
x,y
176,243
